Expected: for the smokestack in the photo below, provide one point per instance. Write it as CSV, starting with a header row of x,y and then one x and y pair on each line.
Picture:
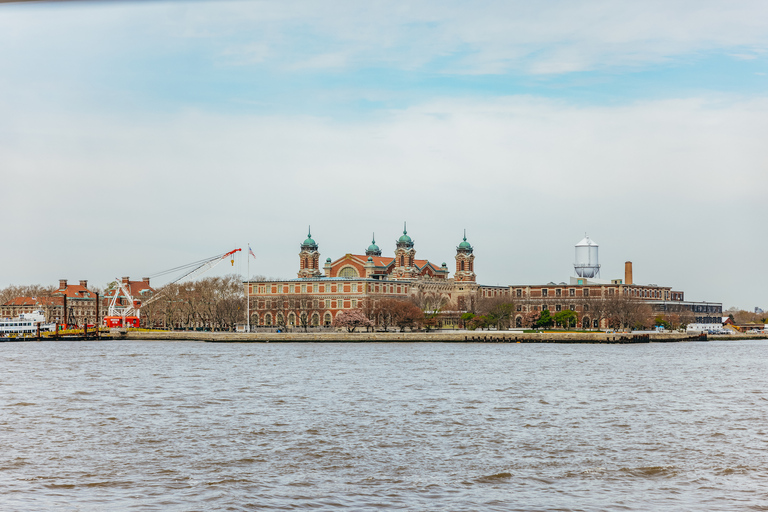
x,y
84,283
125,280
145,280
62,284
628,273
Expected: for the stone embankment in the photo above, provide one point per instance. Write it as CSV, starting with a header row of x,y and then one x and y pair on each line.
x,y
410,337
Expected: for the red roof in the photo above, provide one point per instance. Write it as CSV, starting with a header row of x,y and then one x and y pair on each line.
x,y
32,301
75,291
134,287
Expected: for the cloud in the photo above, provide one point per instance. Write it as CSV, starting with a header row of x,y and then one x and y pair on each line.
x,y
490,37
157,190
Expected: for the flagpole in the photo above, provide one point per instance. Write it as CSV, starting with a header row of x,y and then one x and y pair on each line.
x,y
248,289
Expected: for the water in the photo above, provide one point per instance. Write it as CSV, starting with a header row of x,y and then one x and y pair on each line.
x,y
191,426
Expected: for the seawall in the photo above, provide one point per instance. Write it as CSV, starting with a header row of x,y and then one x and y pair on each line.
x,y
409,337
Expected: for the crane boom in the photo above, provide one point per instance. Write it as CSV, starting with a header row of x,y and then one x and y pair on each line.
x,y
208,265
205,267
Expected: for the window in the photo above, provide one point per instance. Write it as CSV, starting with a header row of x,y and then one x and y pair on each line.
x,y
543,307
327,303
558,292
354,287
519,292
303,288
586,292
314,289
572,307
544,292
354,303
557,307
572,292
348,272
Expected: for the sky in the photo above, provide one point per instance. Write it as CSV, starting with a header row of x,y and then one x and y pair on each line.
x,y
139,136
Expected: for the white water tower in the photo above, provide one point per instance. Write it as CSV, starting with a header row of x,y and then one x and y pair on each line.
x,y
587,264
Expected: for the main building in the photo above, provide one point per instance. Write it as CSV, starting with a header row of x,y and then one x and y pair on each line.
x,y
354,281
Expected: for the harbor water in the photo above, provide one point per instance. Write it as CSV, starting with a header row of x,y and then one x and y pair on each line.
x,y
183,426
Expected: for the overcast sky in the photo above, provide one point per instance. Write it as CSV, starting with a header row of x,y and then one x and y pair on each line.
x,y
135,137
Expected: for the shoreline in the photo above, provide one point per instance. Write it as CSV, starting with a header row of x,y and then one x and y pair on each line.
x,y
416,337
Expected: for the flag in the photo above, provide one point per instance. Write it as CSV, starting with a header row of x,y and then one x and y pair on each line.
x,y
250,251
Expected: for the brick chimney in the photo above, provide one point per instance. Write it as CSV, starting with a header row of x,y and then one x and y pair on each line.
x,y
84,283
126,280
628,273
62,284
145,280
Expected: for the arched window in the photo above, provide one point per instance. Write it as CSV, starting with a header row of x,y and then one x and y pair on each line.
x,y
268,319
291,319
327,319
255,319
348,272
585,323
315,320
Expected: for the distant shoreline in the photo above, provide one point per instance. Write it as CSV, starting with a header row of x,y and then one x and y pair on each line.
x,y
433,337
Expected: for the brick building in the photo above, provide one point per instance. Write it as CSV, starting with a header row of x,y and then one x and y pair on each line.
x,y
69,304
359,280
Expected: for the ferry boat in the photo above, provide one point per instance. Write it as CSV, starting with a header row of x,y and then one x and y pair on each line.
x,y
26,323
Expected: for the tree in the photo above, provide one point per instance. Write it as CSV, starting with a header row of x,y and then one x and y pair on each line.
x,y
431,304
466,318
531,318
480,322
545,319
351,319
624,312
402,313
662,321
566,318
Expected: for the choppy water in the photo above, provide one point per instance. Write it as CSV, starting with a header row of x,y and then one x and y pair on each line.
x,y
191,426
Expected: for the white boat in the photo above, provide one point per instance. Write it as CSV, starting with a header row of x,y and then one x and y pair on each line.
x,y
26,323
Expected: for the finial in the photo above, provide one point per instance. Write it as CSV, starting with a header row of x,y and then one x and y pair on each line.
x,y
405,232
373,238
465,234
309,231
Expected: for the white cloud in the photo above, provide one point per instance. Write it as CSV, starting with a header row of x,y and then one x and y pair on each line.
x,y
457,37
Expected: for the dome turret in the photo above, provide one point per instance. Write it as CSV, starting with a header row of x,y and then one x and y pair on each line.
x,y
373,249
405,240
309,243
464,246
